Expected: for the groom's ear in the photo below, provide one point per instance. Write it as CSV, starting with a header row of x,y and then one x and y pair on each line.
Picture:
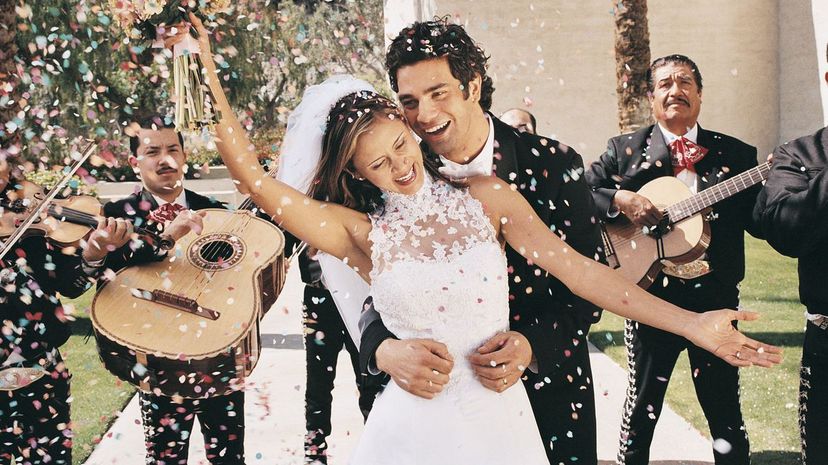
x,y
475,87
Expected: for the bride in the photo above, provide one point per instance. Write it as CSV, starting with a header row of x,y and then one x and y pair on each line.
x,y
432,250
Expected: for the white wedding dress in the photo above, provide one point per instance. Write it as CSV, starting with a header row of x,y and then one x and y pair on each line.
x,y
440,273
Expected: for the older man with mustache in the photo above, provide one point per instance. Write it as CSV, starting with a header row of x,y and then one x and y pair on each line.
x,y
678,146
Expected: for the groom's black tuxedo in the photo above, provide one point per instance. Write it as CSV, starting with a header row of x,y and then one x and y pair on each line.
x,y
555,321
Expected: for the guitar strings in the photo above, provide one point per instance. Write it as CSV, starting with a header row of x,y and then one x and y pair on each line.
x,y
212,248
206,277
708,196
247,203
232,226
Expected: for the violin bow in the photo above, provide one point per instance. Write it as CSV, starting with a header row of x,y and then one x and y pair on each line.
x,y
18,233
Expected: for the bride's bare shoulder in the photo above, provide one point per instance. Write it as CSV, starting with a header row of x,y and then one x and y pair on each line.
x,y
487,187
494,193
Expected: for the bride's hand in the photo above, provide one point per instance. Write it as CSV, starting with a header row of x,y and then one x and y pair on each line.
x,y
180,31
714,332
203,34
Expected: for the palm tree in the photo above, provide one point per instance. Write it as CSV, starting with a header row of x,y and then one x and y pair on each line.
x,y
632,58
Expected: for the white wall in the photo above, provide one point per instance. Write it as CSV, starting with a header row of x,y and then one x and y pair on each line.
x,y
757,58
820,16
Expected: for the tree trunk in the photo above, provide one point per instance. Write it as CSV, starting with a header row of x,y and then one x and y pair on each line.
x,y
632,58
9,136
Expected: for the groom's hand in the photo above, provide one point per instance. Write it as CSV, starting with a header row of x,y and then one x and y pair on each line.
x,y
500,362
419,366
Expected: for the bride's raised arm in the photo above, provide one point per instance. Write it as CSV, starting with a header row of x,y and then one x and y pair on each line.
x,y
529,236
332,228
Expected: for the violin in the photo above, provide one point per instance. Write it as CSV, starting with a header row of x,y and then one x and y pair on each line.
x,y
64,221
27,210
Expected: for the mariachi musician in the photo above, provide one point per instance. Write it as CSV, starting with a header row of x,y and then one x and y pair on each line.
x,y
159,158
35,426
677,146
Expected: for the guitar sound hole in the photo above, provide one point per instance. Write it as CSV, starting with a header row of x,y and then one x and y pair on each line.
x,y
216,251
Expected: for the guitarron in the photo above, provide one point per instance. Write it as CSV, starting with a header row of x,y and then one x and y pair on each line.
x,y
682,236
188,325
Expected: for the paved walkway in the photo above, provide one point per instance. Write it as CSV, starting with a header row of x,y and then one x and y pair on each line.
x,y
274,411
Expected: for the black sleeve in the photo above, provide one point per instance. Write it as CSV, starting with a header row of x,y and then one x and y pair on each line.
x,y
564,326
793,206
64,270
373,333
134,252
602,177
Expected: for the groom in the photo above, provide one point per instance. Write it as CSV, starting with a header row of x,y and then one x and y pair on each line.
x,y
439,74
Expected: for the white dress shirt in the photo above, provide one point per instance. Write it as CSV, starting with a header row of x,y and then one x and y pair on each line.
x,y
180,200
482,164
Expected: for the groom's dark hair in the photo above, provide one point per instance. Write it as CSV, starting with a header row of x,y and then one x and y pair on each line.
x,y
436,39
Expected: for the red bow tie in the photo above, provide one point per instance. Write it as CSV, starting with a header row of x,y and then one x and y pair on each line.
x,y
685,154
165,213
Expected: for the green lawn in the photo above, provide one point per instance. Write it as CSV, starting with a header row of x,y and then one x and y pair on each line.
x,y
769,396
97,395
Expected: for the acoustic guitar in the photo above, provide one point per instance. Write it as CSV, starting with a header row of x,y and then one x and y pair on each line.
x,y
682,236
188,325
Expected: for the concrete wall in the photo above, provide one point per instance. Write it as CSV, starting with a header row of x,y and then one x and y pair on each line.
x,y
558,54
800,81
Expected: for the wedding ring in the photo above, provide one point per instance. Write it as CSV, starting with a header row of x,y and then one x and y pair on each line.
x,y
430,384
504,381
739,354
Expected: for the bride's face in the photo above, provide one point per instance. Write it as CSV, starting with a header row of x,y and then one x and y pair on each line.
x,y
388,157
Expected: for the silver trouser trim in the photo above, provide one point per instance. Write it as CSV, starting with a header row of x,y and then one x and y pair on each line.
x,y
820,321
12,379
632,394
804,389
692,270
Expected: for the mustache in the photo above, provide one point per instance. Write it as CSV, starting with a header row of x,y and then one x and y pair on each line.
x,y
166,170
677,100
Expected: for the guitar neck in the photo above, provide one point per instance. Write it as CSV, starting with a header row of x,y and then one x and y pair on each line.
x,y
704,199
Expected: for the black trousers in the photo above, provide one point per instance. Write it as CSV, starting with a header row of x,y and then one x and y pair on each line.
x,y
325,336
35,422
564,407
652,355
813,397
168,424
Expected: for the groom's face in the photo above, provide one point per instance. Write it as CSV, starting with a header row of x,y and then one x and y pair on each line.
x,y
438,109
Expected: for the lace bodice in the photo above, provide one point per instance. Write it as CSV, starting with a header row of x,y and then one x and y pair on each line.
x,y
438,270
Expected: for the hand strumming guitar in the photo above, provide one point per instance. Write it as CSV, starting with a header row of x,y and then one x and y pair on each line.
x,y
637,208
